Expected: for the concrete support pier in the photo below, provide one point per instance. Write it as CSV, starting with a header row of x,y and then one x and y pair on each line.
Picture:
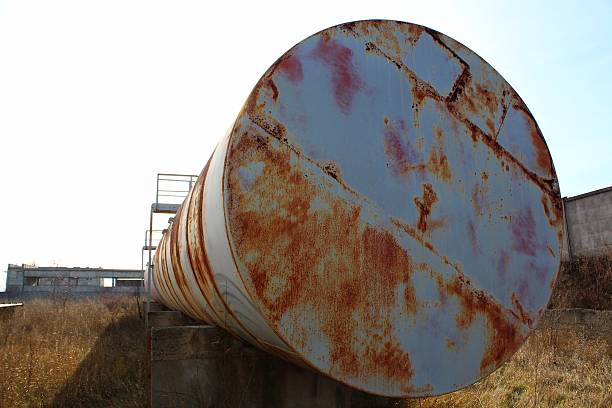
x,y
204,366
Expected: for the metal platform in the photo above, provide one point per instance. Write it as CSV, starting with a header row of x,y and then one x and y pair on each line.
x,y
171,189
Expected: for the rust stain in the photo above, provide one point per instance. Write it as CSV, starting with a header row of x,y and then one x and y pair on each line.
x,y
385,35
504,113
540,270
459,86
471,230
413,32
309,252
390,359
424,205
274,90
553,210
346,82
175,253
438,162
421,90
416,235
491,126
177,271
403,156
523,232
479,194
477,199
542,155
333,170
195,247
274,128
502,265
487,98
270,125
291,67
398,148
332,286
503,336
522,314
543,159
168,254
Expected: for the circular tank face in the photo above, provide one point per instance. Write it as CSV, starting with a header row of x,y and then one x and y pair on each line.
x,y
392,208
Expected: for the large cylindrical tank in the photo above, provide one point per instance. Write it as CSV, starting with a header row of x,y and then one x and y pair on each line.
x,y
384,210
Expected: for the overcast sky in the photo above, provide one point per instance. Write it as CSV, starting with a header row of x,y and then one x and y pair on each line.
x,y
98,97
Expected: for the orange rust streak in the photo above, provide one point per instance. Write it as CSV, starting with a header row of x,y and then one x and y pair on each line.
x,y
274,90
331,285
524,316
422,89
557,211
363,250
541,150
279,132
503,116
478,199
195,246
345,80
424,205
417,236
504,338
202,270
438,162
459,277
458,86
291,67
487,97
497,322
399,149
170,293
177,269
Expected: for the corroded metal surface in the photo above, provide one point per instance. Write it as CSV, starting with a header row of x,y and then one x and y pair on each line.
x,y
384,210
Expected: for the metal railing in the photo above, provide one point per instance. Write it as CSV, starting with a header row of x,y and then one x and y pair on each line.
x,y
170,191
173,188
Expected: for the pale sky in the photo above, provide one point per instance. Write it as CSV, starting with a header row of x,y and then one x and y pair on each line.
x,y
98,97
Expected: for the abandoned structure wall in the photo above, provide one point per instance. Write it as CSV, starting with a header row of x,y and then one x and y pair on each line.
x,y
588,220
32,281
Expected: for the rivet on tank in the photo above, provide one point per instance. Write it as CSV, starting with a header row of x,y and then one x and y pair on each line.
x,y
384,210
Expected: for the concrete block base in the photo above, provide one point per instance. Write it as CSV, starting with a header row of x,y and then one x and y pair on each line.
x,y
203,366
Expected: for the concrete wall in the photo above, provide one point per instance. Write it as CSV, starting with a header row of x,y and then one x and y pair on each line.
x,y
24,280
204,366
588,223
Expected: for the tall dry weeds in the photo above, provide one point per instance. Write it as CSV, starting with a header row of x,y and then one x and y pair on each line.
x,y
58,352
85,353
585,282
554,368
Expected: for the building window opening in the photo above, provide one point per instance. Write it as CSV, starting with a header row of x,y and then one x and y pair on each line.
x,y
30,281
108,282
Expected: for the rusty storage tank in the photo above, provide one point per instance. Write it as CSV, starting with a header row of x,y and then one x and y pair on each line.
x,y
384,210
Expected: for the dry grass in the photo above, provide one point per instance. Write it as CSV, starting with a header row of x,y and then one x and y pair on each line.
x,y
59,352
586,282
555,368
93,354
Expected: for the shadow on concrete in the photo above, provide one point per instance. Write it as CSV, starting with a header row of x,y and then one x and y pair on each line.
x,y
204,366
